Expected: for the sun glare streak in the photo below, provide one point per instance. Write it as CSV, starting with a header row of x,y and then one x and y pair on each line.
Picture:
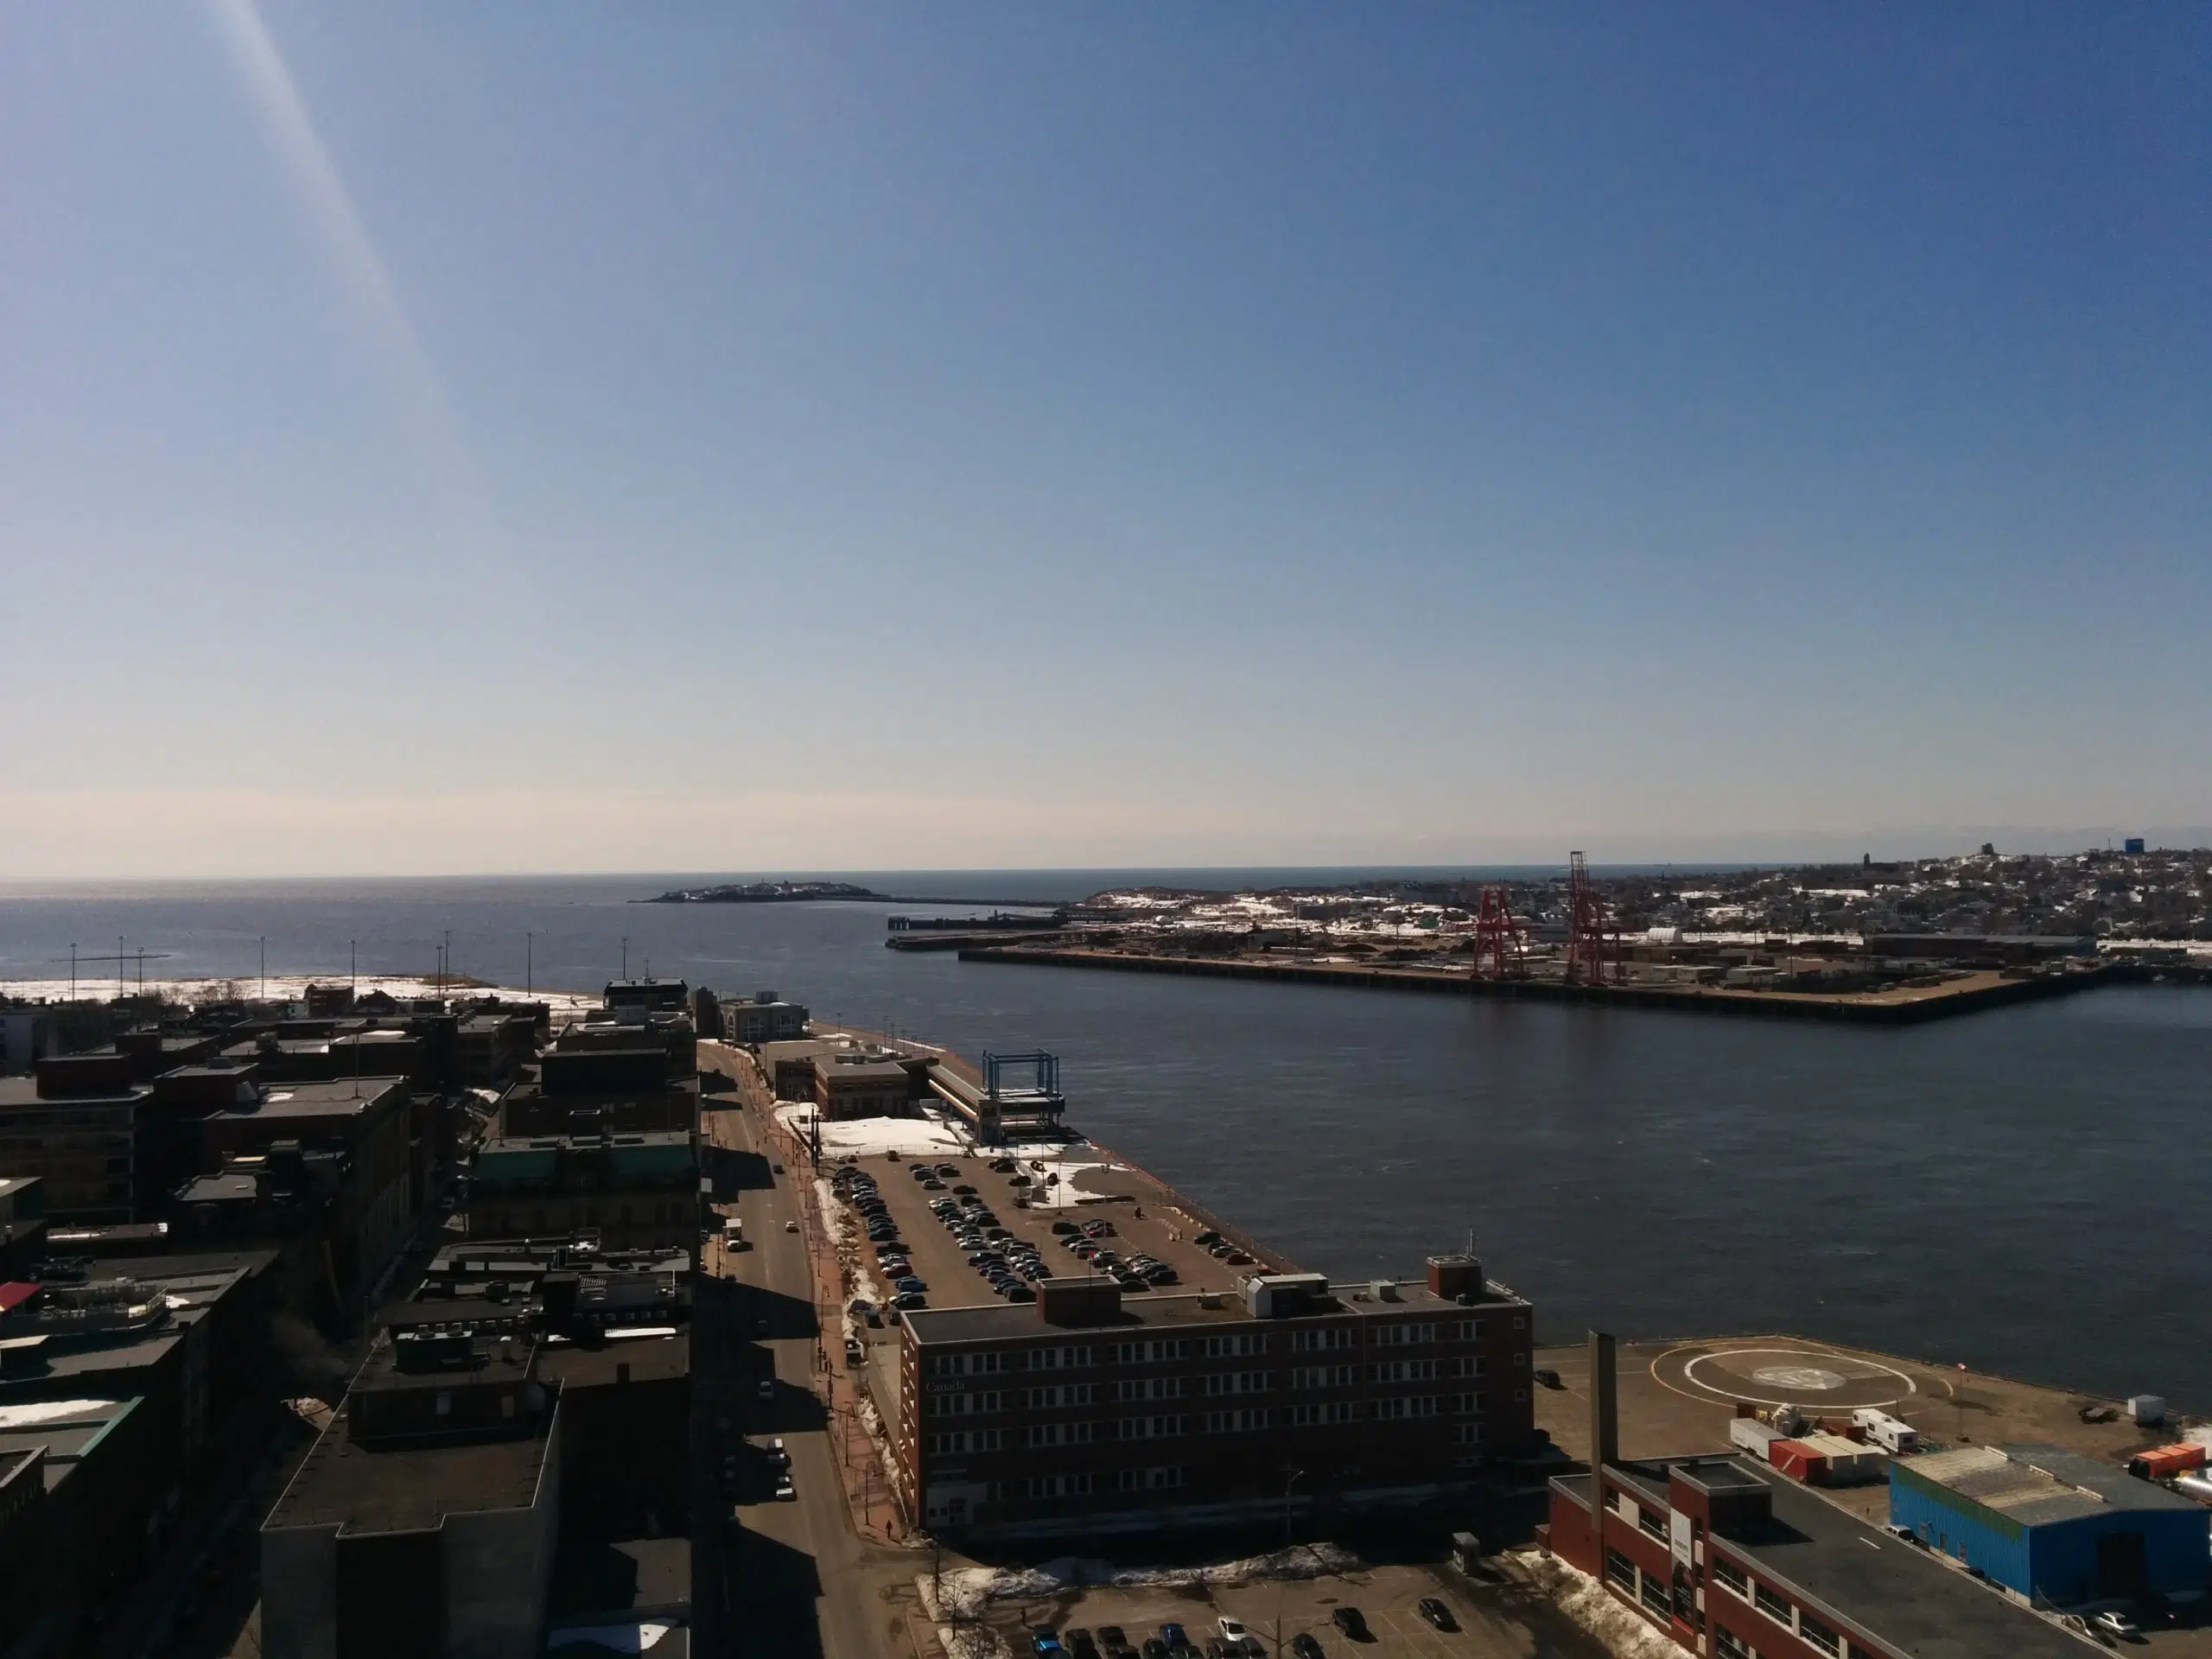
x,y
411,378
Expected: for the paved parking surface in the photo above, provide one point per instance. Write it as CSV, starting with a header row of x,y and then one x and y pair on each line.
x,y
1496,1619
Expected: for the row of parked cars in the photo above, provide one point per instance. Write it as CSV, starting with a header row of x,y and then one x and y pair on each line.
x,y
1086,1242
857,1188
1233,1639
1011,1265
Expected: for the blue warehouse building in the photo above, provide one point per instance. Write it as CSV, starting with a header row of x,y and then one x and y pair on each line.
x,y
2051,1523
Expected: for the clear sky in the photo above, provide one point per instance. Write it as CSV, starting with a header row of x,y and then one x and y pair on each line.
x,y
514,437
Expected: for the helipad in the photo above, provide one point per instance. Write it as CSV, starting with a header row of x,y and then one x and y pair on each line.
x,y
1767,1374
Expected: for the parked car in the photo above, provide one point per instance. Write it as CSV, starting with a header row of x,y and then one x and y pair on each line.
x,y
1434,1610
854,1353
1109,1636
1303,1646
777,1168
1043,1641
909,1298
767,1389
1173,1635
786,1492
2116,1625
1350,1621
1078,1643
1231,1629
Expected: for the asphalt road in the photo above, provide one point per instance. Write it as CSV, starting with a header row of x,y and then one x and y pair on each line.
x,y
800,1581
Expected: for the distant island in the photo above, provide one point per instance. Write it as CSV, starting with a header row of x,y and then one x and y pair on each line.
x,y
768,893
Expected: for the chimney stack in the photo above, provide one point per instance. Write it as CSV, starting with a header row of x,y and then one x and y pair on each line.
x,y
1604,1424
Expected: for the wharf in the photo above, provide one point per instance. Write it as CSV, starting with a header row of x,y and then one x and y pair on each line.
x,y
1676,1397
1898,1008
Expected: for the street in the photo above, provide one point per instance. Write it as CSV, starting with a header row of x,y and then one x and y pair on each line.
x,y
798,1578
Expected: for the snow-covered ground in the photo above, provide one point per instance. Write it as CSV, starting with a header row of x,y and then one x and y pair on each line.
x,y
968,1591
906,1137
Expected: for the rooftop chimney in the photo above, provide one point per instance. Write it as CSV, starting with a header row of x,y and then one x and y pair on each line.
x,y
1605,1422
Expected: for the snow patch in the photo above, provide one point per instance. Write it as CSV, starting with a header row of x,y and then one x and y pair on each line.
x,y
1585,1601
969,1591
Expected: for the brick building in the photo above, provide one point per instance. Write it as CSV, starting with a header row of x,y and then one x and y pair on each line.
x,y
1090,1409
635,1191
1728,1558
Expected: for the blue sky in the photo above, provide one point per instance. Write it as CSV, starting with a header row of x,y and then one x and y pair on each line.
x,y
513,437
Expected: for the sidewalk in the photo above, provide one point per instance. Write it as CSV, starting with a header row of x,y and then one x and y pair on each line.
x,y
869,1499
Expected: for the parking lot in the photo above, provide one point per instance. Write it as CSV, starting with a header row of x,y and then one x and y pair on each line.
x,y
1075,1188
1490,1619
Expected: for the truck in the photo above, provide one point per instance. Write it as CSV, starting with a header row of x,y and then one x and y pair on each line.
x,y
734,1234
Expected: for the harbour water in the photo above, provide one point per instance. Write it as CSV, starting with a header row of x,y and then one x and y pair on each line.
x,y
2019,1189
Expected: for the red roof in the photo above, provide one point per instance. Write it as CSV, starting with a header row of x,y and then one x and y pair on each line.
x,y
15,1294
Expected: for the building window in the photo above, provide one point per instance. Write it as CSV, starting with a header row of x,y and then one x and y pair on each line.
x,y
1769,1604
1613,1499
1729,1645
1732,1576
1621,1570
1819,1634
1652,1525
1654,1596
1467,1433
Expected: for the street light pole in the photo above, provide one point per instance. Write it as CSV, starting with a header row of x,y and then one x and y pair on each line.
x,y
1295,1476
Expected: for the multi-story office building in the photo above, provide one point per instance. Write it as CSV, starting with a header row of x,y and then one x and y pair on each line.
x,y
1093,1409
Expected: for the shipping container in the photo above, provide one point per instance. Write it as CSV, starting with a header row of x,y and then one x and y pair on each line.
x,y
1754,1436
1835,1461
2164,1462
1796,1460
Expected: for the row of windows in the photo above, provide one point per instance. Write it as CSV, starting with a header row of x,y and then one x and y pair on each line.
x,y
1154,1479
1809,1627
1238,1344
1322,1415
539,1220
1730,1576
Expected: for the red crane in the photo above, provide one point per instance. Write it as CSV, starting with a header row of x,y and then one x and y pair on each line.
x,y
1593,946
1500,943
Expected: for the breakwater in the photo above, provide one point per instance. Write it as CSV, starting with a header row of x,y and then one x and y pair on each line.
x,y
1877,1010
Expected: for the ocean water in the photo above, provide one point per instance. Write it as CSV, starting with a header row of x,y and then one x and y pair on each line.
x,y
2020,1190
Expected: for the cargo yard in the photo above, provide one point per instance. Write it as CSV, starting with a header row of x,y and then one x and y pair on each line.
x,y
1883,944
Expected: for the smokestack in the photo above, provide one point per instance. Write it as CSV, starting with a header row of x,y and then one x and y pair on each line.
x,y
1605,1422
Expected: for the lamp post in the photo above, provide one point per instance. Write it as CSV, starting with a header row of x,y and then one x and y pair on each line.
x,y
1295,1476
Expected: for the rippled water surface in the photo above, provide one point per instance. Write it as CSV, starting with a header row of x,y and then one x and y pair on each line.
x,y
2023,1190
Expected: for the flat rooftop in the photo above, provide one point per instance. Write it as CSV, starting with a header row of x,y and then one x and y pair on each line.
x,y
1894,1590
621,1359
409,1489
2037,1483
1004,1321
1676,1397
336,1097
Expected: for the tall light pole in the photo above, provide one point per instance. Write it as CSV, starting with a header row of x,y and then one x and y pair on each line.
x,y
1295,1476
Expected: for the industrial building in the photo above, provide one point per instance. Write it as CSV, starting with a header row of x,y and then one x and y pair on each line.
x,y
2052,1523
1090,1409
1725,1555
1729,1558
